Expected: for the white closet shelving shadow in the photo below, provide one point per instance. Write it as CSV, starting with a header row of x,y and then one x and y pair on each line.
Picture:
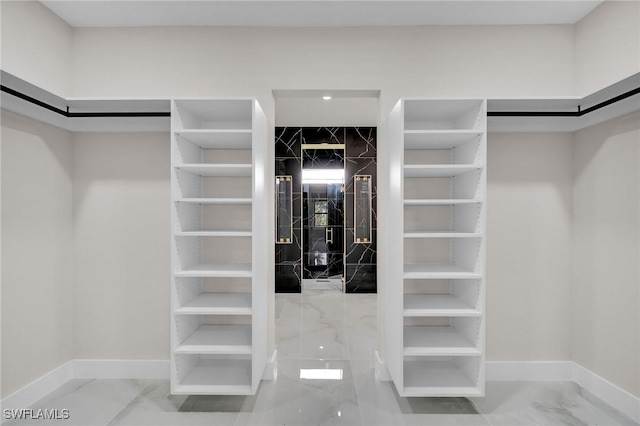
x,y
434,315
219,291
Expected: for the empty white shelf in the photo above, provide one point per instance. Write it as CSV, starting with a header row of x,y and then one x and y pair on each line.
x,y
217,377
214,200
441,234
417,271
437,170
213,234
217,270
438,341
218,139
215,144
217,170
437,305
218,339
439,202
438,139
437,378
217,304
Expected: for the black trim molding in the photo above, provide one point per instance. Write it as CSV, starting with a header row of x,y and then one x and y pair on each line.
x,y
578,113
69,114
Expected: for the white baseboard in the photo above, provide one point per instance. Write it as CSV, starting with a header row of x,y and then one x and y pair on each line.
x,y
381,371
271,368
535,371
613,395
159,369
567,371
39,388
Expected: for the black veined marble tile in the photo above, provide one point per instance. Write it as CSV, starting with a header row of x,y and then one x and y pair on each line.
x,y
288,278
329,135
290,252
361,279
290,167
323,159
288,141
361,141
361,253
361,166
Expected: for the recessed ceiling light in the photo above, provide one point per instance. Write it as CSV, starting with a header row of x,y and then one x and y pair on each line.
x,y
326,97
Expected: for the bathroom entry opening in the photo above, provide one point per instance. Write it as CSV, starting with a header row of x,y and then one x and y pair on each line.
x,y
323,202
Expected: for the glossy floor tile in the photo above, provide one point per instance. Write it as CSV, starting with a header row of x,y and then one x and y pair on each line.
x,y
326,342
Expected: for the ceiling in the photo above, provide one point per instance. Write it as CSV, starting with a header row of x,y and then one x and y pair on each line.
x,y
332,13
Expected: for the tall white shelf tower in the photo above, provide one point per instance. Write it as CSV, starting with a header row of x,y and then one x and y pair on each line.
x,y
219,227
434,322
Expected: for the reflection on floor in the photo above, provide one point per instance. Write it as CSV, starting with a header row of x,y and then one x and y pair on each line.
x,y
325,346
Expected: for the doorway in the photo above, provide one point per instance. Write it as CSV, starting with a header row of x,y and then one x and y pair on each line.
x,y
323,216
339,241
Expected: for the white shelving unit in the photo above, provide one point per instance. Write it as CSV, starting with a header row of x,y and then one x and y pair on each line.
x,y
219,227
434,311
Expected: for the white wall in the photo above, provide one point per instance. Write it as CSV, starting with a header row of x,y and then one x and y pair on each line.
x,y
317,112
606,252
37,275
413,61
121,196
36,45
121,242
529,185
607,47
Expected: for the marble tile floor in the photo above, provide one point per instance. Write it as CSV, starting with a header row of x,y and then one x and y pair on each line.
x,y
325,376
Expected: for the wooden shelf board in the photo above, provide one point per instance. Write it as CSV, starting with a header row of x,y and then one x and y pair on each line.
x,y
213,234
437,170
438,341
437,305
218,138
442,234
417,271
217,270
212,390
438,139
217,339
441,378
217,170
217,304
217,377
441,392
440,202
214,200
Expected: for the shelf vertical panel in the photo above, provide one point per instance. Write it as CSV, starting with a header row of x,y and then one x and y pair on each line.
x,y
393,284
215,124
175,224
428,126
261,231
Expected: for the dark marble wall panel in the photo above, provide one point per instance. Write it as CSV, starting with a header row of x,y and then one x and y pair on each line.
x,y
362,254
318,158
360,158
322,135
361,278
288,140
288,278
288,161
361,141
